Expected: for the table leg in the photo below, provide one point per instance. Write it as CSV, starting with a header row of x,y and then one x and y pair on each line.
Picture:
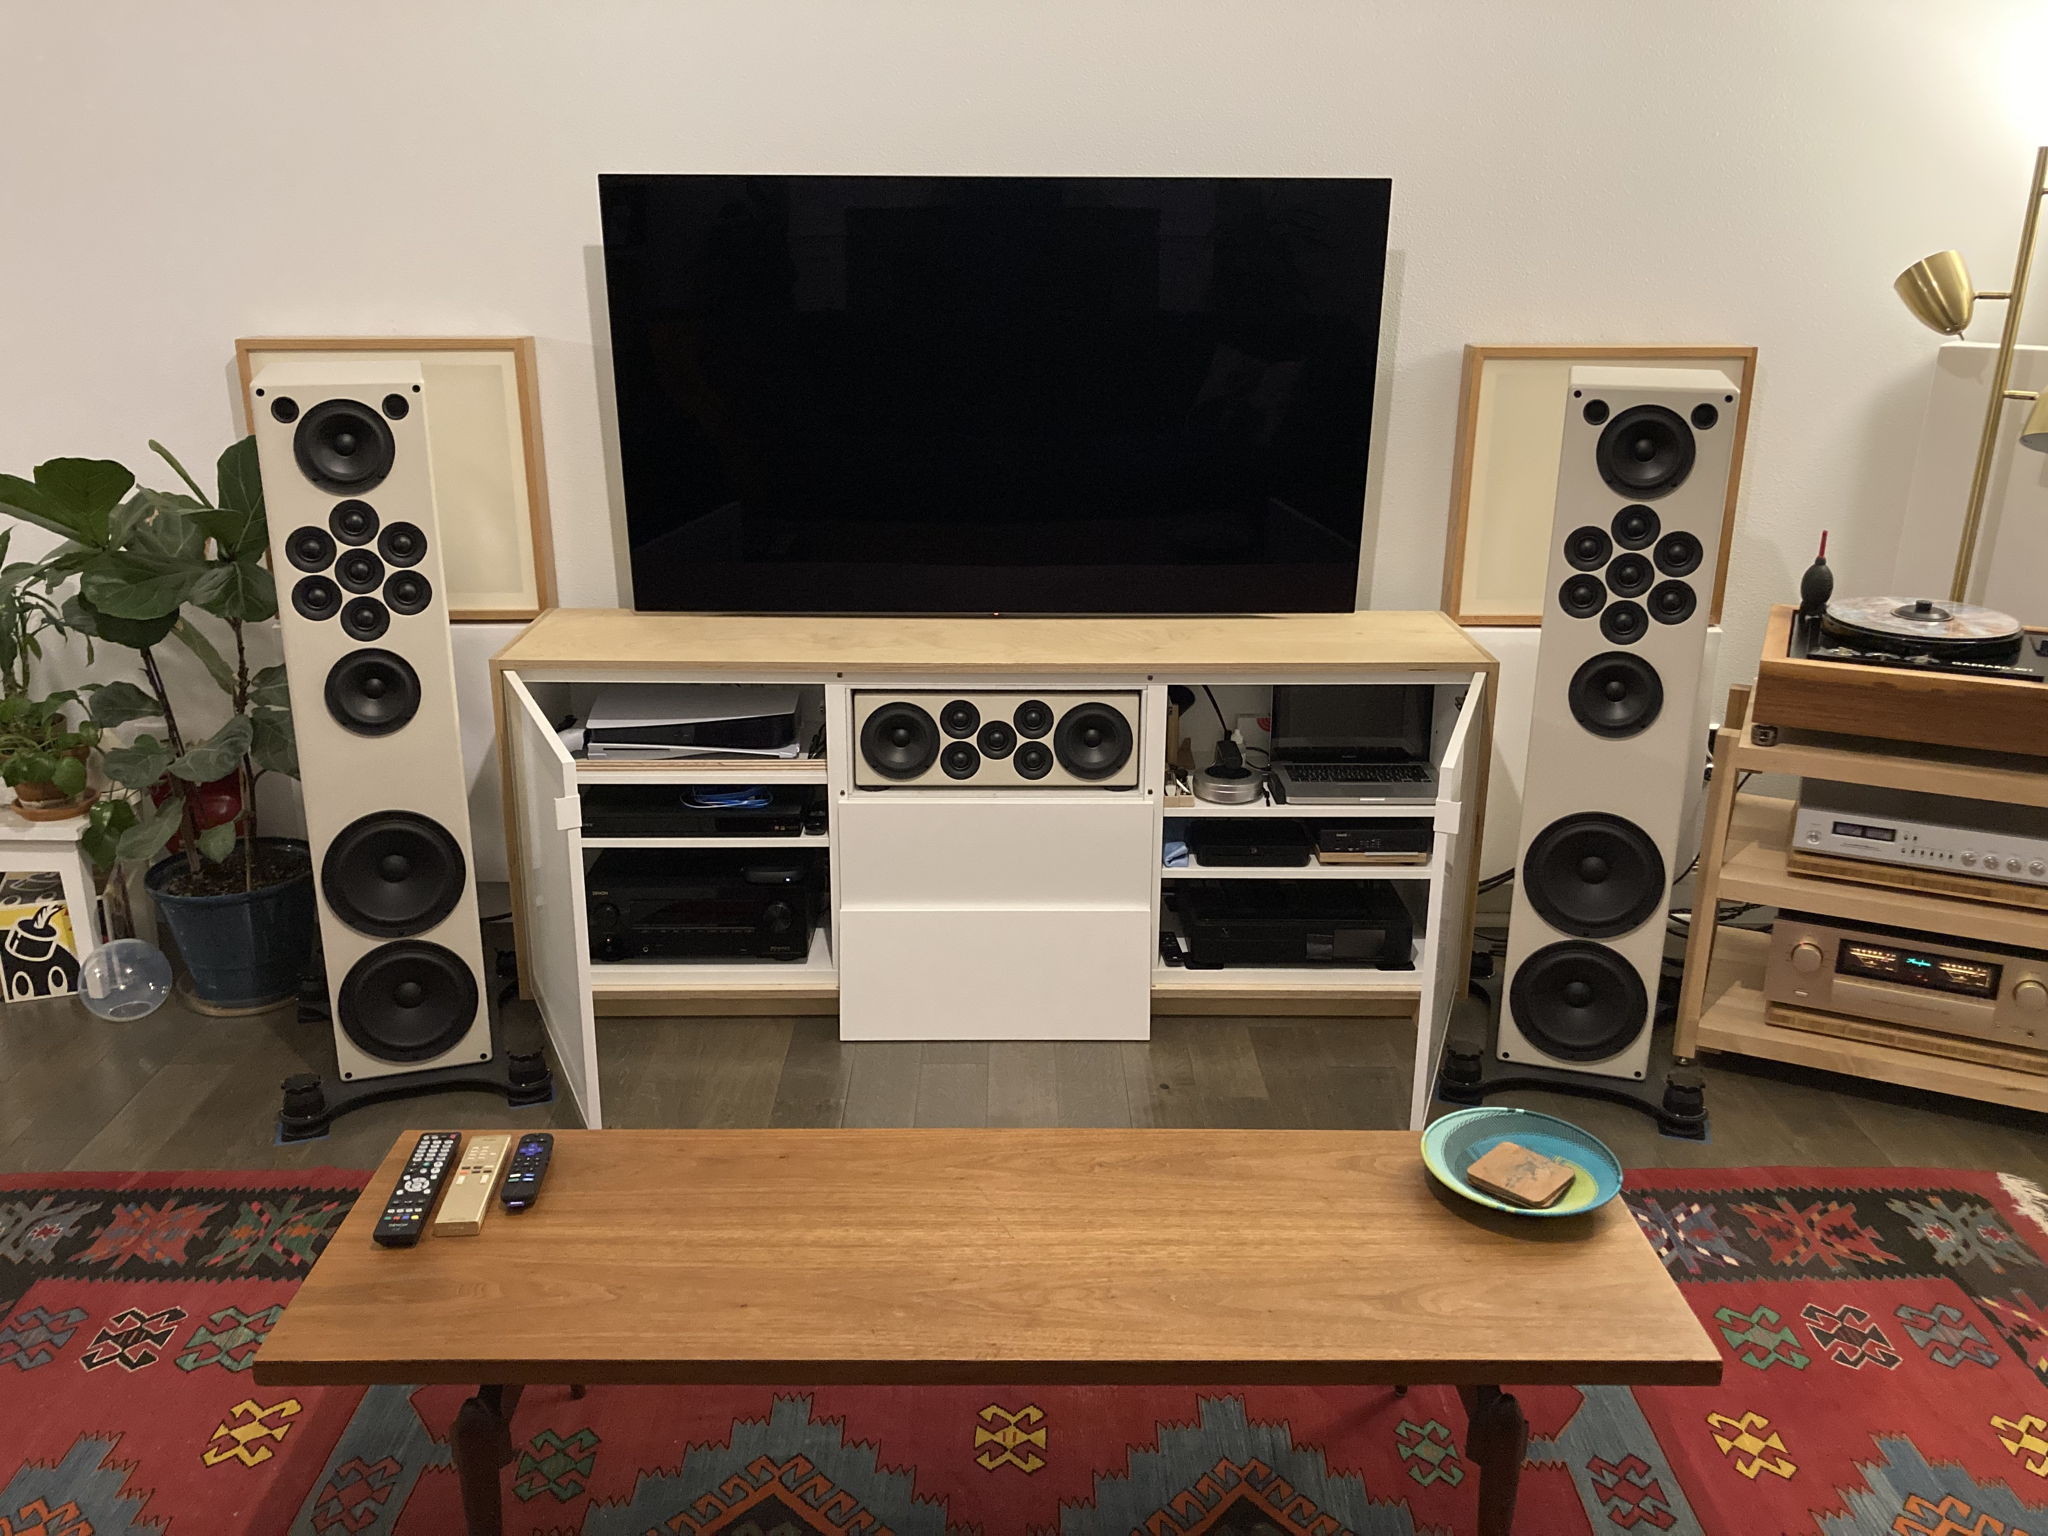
x,y
482,1443
1497,1438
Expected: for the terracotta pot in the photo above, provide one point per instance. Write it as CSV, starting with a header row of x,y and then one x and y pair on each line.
x,y
40,800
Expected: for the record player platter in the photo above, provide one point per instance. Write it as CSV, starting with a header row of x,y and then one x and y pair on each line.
x,y
1906,626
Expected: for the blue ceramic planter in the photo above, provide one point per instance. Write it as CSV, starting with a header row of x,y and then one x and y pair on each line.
x,y
243,949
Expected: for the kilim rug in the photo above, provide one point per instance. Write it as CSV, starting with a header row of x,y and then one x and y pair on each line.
x,y
1886,1333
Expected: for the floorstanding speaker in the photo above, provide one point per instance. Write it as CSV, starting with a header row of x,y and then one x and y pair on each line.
x,y
364,620
1642,489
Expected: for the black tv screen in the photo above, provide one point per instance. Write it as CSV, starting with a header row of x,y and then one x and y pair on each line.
x,y
973,394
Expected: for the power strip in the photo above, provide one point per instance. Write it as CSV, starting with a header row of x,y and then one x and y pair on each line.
x,y
469,1193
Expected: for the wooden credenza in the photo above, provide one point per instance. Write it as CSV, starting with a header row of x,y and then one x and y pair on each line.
x,y
934,930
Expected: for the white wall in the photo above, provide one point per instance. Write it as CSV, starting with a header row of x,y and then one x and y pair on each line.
x,y
1745,171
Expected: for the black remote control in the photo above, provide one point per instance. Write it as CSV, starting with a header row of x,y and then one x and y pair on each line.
x,y
419,1186
528,1167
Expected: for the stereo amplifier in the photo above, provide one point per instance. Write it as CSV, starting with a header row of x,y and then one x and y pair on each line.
x,y
1900,976
709,904
1293,923
1896,826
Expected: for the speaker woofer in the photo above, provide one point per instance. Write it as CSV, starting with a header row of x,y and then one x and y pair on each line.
x,y
1594,875
1033,718
1616,694
1673,602
408,592
310,548
960,718
1034,760
359,571
1646,451
1092,741
343,446
1587,549
1624,623
1679,554
365,619
353,522
1578,1001
961,760
402,544
899,741
1582,596
1630,576
998,739
393,874
316,598
372,692
409,1001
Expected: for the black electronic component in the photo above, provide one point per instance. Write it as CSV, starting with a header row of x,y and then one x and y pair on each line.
x,y
703,904
693,810
1262,842
1319,922
420,1184
524,1173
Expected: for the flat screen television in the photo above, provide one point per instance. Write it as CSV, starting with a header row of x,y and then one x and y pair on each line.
x,y
994,394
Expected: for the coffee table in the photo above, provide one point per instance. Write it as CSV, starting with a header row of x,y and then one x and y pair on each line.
x,y
991,1256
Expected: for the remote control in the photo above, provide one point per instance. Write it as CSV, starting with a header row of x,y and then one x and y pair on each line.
x,y
529,1167
476,1174
405,1213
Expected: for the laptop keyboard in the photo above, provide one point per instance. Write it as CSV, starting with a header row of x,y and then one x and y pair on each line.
x,y
1358,773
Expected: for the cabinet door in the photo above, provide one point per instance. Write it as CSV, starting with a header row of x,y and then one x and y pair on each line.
x,y
550,852
1447,947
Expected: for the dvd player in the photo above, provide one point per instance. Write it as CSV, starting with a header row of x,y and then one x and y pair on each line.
x,y
1986,838
679,810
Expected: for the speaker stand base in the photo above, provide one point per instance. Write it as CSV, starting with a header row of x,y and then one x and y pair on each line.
x,y
312,1104
1671,1093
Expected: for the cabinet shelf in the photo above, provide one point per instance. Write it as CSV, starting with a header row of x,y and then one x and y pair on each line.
x,y
1410,810
695,770
804,840
1301,872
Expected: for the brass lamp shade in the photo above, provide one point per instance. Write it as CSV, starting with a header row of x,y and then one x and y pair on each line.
x,y
1937,289
2034,434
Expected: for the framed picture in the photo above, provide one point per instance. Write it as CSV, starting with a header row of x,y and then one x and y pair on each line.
x,y
1504,479
490,483
39,955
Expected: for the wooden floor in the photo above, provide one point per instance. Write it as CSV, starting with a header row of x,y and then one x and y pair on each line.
x,y
180,1091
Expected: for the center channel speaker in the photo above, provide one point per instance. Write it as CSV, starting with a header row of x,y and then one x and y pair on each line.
x,y
1642,489
996,740
343,449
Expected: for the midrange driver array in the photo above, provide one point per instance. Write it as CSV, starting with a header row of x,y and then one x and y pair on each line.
x,y
1641,494
343,449
996,740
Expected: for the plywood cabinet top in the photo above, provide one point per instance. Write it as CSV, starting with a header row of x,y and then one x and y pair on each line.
x,y
620,641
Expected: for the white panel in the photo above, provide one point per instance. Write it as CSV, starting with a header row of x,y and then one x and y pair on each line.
x,y
557,933
985,974
1447,947
1642,778
1017,849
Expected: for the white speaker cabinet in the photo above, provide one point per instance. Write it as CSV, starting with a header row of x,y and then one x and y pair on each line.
x,y
992,901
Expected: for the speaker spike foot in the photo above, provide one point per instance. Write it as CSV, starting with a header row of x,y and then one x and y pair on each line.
x,y
1671,1093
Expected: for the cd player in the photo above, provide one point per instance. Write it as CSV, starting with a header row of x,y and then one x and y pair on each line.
x,y
1895,826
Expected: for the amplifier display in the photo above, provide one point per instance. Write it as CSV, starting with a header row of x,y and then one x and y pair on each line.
x,y
1899,976
708,904
1355,923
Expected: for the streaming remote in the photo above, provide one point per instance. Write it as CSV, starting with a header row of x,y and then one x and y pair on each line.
x,y
529,1166
419,1184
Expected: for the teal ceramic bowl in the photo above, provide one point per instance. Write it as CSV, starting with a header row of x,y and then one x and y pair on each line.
x,y
1461,1138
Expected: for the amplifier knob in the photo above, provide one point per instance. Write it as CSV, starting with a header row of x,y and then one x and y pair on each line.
x,y
778,917
2036,868
2030,995
1806,957
1969,858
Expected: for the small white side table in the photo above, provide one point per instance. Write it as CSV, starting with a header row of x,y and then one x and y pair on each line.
x,y
32,847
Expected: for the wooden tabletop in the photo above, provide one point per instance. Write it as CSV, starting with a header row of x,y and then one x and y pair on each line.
x,y
991,1256
619,641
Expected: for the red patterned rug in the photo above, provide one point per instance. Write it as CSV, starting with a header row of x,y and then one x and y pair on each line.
x,y
1886,1334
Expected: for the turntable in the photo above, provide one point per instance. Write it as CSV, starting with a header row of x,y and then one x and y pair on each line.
x,y
1904,669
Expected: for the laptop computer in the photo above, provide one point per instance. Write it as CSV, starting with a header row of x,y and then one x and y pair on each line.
x,y
1352,743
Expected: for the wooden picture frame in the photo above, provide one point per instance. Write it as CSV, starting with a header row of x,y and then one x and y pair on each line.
x,y
1504,478
490,479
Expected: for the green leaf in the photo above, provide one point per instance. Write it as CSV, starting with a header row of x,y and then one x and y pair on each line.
x,y
239,534
70,496
128,586
126,518
209,656
268,689
139,764
217,842
146,839
239,590
118,703
216,756
240,478
83,618
275,747
171,459
69,776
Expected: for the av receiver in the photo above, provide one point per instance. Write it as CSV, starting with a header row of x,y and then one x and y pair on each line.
x,y
703,904
1353,923
677,810
1899,976
1896,826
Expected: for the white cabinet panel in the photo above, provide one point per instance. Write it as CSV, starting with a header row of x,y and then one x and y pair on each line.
x,y
1021,849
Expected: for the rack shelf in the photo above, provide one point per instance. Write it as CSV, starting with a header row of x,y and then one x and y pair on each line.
x,y
1412,810
722,770
1301,872
803,840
